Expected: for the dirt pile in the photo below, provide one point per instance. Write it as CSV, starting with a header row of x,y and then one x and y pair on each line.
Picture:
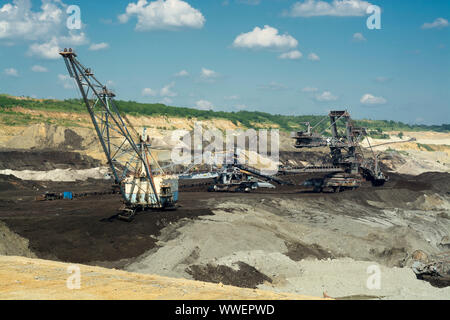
x,y
241,275
44,160
48,165
12,244
10,183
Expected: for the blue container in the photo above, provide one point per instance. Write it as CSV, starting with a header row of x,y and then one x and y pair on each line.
x,y
68,196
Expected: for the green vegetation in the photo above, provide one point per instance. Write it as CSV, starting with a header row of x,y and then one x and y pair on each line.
x,y
378,134
425,147
249,119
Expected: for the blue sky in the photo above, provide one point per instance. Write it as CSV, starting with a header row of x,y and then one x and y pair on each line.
x,y
277,56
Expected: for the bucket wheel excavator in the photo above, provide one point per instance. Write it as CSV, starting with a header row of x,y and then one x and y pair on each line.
x,y
349,165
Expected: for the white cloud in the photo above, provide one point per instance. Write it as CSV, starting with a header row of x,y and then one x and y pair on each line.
x,y
148,92
313,57
291,55
232,97
74,39
310,89
47,50
163,14
326,96
182,73
17,20
98,46
439,23
207,75
46,28
11,72
38,68
50,49
338,8
369,99
204,105
166,91
266,38
358,37
66,81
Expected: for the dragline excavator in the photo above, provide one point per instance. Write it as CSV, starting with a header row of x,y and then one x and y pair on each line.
x,y
128,153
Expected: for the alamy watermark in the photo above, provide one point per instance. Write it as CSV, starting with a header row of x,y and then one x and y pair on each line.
x,y
374,21
374,279
74,20
73,282
254,148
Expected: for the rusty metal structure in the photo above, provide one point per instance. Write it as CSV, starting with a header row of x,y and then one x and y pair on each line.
x,y
127,152
349,165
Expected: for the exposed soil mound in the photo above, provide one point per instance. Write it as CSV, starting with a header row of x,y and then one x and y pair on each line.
x,y
12,244
50,136
298,251
72,140
44,160
413,183
245,276
440,181
12,183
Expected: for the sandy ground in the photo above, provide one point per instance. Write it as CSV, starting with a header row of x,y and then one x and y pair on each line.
x,y
33,279
349,279
416,159
415,162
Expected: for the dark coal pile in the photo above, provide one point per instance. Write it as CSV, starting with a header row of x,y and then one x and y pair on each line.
x,y
44,160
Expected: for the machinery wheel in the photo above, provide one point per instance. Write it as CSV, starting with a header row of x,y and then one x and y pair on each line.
x,y
127,215
378,183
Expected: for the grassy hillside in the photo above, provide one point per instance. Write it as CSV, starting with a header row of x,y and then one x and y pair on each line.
x,y
249,119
